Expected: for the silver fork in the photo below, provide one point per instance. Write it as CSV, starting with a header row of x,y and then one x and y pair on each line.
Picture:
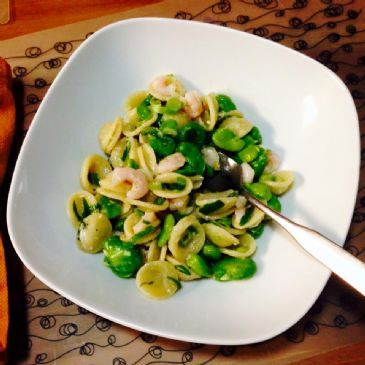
x,y
338,260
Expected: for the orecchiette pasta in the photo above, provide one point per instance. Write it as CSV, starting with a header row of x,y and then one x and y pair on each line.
x,y
146,204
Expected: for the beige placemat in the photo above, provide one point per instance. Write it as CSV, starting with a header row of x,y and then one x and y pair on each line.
x,y
53,330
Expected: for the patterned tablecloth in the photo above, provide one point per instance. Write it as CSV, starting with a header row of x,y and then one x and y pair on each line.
x,y
49,329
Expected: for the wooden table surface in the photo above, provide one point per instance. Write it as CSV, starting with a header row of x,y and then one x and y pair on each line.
x,y
28,16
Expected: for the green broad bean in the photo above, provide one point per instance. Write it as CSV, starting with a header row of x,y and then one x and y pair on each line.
x,y
257,231
168,225
249,153
254,137
172,106
211,207
143,110
225,103
211,251
231,268
121,257
152,132
259,191
197,264
169,127
187,170
126,151
109,207
163,146
193,156
227,140
274,203
144,233
259,163
119,225
194,133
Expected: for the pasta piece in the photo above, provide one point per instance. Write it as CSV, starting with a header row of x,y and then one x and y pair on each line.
x,y
197,181
150,232
163,253
272,163
133,125
94,169
178,203
187,237
253,218
134,100
154,252
123,152
93,231
279,182
147,159
180,118
79,206
171,185
158,279
109,135
240,126
210,115
219,236
245,248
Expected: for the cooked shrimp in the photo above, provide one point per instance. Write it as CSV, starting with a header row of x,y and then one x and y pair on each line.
x,y
171,163
163,86
248,173
178,203
193,104
134,177
241,202
273,162
211,157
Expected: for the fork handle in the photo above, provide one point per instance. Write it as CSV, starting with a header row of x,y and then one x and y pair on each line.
x,y
338,260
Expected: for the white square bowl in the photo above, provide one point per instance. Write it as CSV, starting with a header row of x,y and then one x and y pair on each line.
x,y
305,113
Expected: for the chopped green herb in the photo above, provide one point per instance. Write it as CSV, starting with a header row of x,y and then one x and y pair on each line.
x,y
159,201
126,151
109,207
133,164
211,207
143,110
183,269
144,233
247,216
176,282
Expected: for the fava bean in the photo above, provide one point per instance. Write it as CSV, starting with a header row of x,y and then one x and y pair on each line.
x,y
121,257
194,133
227,140
257,231
225,103
211,251
163,146
109,207
259,163
259,191
249,153
274,203
169,127
231,268
197,264
143,109
173,105
193,157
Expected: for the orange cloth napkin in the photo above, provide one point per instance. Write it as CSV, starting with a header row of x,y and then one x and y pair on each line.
x,y
7,127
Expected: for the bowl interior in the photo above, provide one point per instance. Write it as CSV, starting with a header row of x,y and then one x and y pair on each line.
x,y
303,111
